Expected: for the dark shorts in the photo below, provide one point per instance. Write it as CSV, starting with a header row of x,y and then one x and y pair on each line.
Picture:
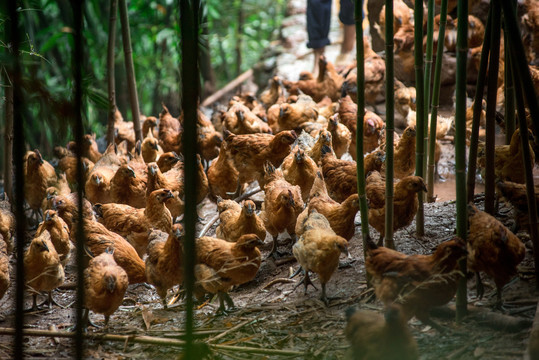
x,y
319,18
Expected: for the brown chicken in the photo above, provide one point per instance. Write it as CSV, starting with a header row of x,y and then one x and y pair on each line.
x,y
127,188
170,131
7,222
66,206
274,94
403,41
340,215
172,180
402,14
341,137
450,41
135,224
68,165
43,270
328,82
372,125
476,31
150,124
405,202
282,204
318,250
222,175
516,195
324,139
374,160
292,116
249,152
237,220
105,283
97,187
373,336
164,262
99,238
123,131
4,267
240,120
299,169
508,159
416,282
150,148
222,264
530,20
59,234
492,248
39,175
89,148
443,123
340,175
170,160
375,69
404,155
405,98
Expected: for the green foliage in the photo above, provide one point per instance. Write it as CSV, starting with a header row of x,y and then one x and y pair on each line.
x,y
46,31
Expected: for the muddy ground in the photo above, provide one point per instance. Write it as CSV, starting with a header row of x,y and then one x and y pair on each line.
x,y
273,316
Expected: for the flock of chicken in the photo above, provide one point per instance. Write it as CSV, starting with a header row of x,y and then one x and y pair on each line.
x,y
291,140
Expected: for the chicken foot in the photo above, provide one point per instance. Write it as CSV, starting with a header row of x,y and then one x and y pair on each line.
x,y
224,297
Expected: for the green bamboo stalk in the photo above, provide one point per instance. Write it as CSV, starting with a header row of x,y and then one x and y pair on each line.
x,y
492,90
436,101
15,74
420,128
78,129
130,70
521,64
478,106
390,124
460,146
520,85
364,211
428,72
509,91
189,10
110,71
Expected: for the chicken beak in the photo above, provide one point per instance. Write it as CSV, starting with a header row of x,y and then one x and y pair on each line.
x,y
155,146
240,116
281,112
132,172
152,169
47,216
45,247
49,196
291,202
98,180
348,255
170,195
424,187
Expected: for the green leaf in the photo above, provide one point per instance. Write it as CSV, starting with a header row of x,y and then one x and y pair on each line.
x,y
51,42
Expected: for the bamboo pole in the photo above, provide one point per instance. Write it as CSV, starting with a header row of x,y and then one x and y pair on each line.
x,y
460,146
492,91
78,56
520,60
528,165
360,168
436,102
420,98
477,109
110,70
18,153
390,124
428,72
189,10
8,139
130,69
509,91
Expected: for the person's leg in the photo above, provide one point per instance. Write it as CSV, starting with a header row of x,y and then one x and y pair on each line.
x,y
318,21
346,16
